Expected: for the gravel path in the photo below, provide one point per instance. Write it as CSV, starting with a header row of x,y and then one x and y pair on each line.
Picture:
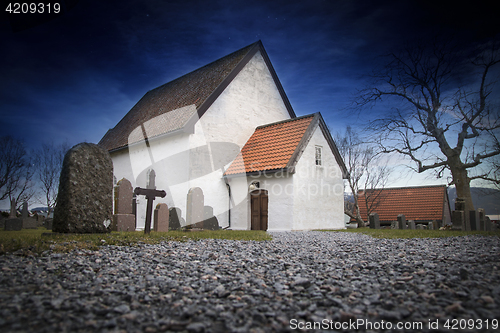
x,y
332,281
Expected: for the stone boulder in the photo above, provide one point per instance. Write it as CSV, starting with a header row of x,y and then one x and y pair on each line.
x,y
84,201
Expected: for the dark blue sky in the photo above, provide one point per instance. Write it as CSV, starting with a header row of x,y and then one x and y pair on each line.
x,y
74,77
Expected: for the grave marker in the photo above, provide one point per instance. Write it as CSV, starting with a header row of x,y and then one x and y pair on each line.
x,y
210,222
195,207
175,220
24,213
161,218
481,218
474,220
374,221
13,209
84,200
487,224
402,221
123,219
457,219
411,225
151,193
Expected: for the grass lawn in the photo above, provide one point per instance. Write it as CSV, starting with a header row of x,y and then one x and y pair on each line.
x,y
397,233
31,241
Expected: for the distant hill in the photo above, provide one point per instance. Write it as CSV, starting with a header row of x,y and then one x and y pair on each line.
x,y
482,197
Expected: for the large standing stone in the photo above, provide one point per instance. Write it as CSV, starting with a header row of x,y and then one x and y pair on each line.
x,y
374,221
123,219
195,207
84,200
175,219
161,218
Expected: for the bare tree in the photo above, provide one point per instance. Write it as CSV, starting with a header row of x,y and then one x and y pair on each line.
x,y
48,161
365,172
438,105
16,171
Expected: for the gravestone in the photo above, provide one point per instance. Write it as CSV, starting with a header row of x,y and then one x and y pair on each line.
x,y
481,218
161,218
459,204
487,224
48,223
13,224
28,222
84,200
210,222
430,226
474,220
374,221
394,225
175,220
436,224
123,219
24,212
457,220
13,210
411,225
195,207
123,197
402,221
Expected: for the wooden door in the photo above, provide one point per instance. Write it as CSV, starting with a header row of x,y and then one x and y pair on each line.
x,y
259,209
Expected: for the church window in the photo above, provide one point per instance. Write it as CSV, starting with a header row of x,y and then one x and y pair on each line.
x,y
318,155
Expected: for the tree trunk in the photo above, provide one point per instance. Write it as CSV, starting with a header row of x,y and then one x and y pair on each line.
x,y
462,185
360,221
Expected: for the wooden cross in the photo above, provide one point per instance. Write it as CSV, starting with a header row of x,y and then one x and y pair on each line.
x,y
151,193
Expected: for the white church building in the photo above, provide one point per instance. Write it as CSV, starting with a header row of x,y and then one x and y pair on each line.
x,y
229,129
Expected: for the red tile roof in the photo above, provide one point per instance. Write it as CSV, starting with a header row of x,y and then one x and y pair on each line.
x,y
271,146
424,203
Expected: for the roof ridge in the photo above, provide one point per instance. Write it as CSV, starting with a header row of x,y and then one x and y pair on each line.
x,y
405,187
286,121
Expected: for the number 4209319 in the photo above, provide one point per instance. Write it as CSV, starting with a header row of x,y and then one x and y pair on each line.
x,y
33,7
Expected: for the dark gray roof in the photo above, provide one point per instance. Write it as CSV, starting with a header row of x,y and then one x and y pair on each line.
x,y
178,104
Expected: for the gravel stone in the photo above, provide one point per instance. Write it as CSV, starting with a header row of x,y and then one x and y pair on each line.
x,y
246,286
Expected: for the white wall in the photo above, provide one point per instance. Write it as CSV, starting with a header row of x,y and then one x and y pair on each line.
x,y
280,205
250,100
319,191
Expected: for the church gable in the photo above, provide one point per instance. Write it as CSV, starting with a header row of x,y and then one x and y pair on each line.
x,y
278,146
179,104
